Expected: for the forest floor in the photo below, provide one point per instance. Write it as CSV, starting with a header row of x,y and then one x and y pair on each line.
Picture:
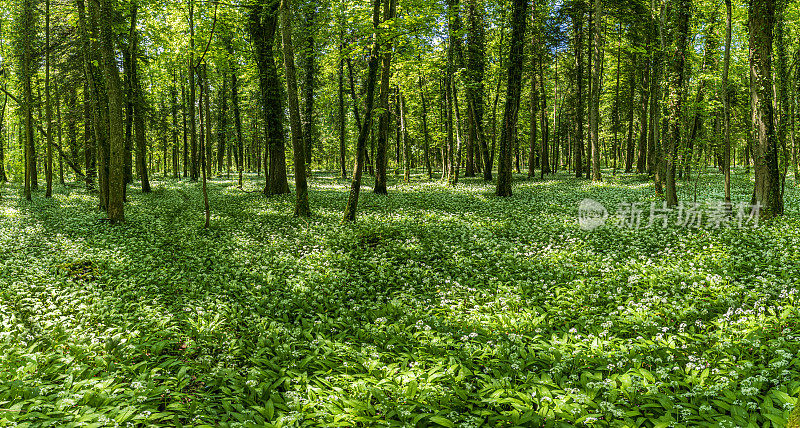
x,y
439,307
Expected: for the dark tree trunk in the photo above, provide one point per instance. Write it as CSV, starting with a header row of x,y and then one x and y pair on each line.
x,y
116,138
476,65
301,207
577,31
355,187
138,103
726,101
676,94
513,91
389,9
767,177
263,25
594,112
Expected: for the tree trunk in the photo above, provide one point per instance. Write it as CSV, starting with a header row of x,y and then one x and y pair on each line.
x,y
676,95
202,116
138,103
355,187
726,102
193,174
116,137
222,125
513,91
767,177
476,65
301,207
389,9
426,133
341,117
27,23
310,70
594,112
263,25
48,105
577,31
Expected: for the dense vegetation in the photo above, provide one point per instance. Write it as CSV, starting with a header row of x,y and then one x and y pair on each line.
x,y
442,305
399,213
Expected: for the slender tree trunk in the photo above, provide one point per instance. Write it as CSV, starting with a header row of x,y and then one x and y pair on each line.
x,y
27,22
726,102
237,121
193,174
545,146
202,116
355,187
138,103
301,207
341,117
389,9
406,144
644,93
629,151
594,112
577,31
676,95
782,102
534,111
512,96
48,105
222,125
310,70
426,133
615,111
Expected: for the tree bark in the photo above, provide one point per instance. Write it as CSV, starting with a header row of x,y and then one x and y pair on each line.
x,y
726,102
513,91
263,25
594,113
48,106
355,186
767,177
116,138
301,207
390,7
138,103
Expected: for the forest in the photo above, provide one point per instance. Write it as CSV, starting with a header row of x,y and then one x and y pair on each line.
x,y
399,213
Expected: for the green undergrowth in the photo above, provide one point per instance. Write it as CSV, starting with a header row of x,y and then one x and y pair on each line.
x,y
439,307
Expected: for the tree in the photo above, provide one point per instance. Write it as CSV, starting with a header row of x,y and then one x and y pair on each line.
x,y
597,71
310,69
389,10
676,94
476,67
577,34
361,144
301,208
263,22
513,91
193,174
138,102
26,31
116,139
48,105
767,190
726,102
